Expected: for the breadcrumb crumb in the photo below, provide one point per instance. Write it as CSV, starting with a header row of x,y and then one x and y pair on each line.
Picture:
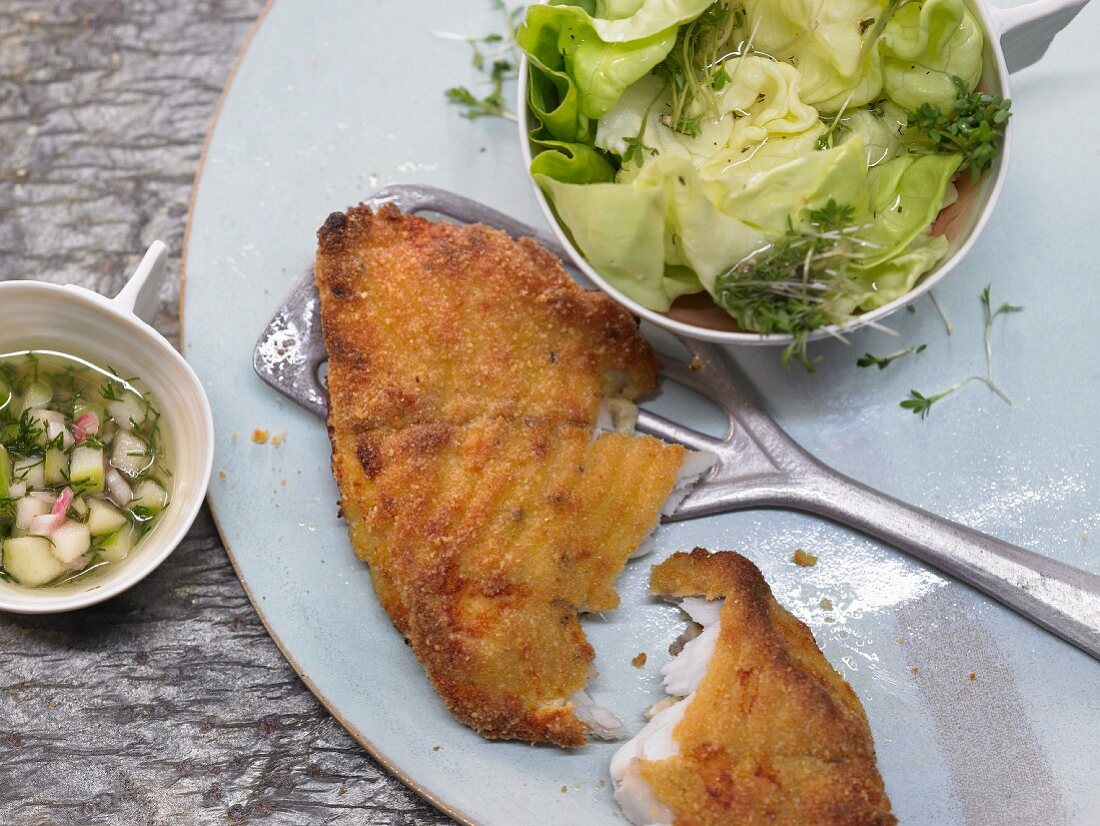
x,y
260,437
639,660
803,558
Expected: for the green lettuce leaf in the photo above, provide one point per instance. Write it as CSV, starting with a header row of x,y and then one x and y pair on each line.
x,y
644,235
569,57
923,45
881,135
620,231
574,163
896,276
620,21
619,129
907,194
773,200
825,41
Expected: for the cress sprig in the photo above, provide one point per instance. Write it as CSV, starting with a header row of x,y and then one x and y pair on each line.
x,y
973,126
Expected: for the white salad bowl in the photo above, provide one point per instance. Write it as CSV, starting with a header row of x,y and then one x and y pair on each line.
x,y
1015,38
76,321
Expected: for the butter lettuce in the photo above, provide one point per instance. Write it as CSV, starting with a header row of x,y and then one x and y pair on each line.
x,y
923,46
907,194
771,201
567,50
575,163
662,218
893,278
620,21
825,41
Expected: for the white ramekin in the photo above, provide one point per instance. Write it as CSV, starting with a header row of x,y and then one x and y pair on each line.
x,y
73,320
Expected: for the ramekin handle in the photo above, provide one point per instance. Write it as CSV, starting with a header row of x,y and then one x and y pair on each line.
x,y
1027,31
139,296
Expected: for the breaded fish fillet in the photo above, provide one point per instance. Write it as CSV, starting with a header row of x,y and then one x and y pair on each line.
x,y
466,375
768,733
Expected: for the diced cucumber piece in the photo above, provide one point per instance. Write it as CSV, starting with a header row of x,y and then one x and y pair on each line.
x,y
127,411
104,518
71,540
80,507
130,455
29,561
82,406
56,467
86,469
38,394
149,499
117,546
5,472
27,509
31,470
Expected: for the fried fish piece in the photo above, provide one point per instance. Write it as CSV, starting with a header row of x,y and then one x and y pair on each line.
x,y
467,372
767,732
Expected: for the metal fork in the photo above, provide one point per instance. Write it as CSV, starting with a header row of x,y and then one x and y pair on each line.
x,y
758,465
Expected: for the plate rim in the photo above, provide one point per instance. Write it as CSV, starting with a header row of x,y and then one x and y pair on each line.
x,y
364,742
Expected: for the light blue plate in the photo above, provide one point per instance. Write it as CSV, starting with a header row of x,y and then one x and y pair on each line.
x,y
334,100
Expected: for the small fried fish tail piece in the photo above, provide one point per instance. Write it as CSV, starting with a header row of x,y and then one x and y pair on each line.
x,y
466,376
768,733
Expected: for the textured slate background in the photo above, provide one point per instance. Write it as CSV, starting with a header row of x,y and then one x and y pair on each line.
x,y
168,704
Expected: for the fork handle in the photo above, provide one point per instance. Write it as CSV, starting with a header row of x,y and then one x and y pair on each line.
x,y
1063,599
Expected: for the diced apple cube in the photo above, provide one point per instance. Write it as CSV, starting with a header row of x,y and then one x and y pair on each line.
x,y
127,411
31,470
29,561
27,509
104,518
71,540
51,425
130,455
86,469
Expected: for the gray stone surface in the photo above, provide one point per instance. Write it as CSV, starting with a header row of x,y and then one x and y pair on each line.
x,y
168,704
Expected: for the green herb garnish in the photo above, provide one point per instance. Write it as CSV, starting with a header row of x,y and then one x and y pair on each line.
x,y
922,405
497,63
791,285
973,126
693,69
882,362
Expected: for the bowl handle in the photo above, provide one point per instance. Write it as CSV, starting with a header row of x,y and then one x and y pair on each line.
x,y
140,295
1027,31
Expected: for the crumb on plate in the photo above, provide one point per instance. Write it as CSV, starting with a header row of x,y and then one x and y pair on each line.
x,y
639,660
260,437
826,604
803,558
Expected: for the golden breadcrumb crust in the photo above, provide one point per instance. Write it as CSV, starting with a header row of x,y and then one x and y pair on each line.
x,y
773,735
466,372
